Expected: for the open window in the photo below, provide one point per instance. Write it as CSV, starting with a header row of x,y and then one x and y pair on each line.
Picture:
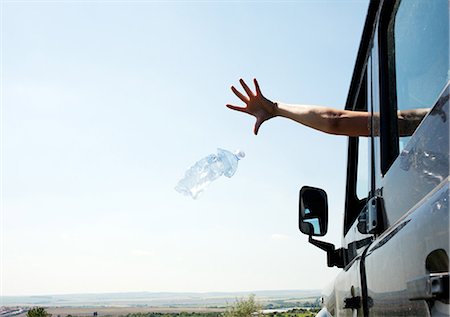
x,y
414,54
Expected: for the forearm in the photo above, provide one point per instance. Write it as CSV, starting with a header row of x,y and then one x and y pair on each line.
x,y
329,120
409,120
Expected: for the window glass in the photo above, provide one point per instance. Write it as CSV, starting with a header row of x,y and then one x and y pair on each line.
x,y
420,38
374,89
362,183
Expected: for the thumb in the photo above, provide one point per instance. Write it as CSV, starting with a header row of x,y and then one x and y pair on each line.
x,y
257,125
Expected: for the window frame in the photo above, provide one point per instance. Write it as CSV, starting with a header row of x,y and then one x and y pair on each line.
x,y
388,97
353,204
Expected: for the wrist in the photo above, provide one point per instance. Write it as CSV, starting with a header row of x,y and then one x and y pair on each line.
x,y
276,112
281,109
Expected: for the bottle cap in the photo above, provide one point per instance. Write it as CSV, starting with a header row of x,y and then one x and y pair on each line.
x,y
240,154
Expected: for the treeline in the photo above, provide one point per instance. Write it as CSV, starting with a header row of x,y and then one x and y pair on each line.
x,y
298,312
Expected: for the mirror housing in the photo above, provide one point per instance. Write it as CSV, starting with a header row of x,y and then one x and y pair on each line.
x,y
313,211
313,221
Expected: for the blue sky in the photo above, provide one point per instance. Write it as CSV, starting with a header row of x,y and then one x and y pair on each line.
x,y
105,104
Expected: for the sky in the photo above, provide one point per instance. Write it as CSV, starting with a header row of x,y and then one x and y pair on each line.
x,y
106,104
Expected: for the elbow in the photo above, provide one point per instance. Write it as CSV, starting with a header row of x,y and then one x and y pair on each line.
x,y
334,124
341,125
338,122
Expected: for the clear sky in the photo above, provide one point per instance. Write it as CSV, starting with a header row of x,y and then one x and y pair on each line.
x,y
105,104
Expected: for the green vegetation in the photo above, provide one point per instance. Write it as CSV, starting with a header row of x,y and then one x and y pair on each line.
x,y
299,312
38,312
244,308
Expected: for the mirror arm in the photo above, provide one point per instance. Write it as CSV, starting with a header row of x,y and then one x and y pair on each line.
x,y
327,247
334,257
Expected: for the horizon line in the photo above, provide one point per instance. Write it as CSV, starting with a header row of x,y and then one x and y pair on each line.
x,y
159,292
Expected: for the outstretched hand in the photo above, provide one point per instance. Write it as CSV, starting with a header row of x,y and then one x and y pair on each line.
x,y
256,104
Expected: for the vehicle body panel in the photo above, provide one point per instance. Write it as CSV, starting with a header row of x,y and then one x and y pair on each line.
x,y
416,196
391,269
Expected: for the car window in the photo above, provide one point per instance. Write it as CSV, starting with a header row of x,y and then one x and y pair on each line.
x,y
419,33
362,180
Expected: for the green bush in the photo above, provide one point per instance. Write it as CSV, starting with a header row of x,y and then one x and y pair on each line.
x,y
38,312
244,308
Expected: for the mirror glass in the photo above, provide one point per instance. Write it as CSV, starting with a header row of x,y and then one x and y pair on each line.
x,y
313,211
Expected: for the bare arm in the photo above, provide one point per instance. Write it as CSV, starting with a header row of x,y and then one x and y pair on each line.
x,y
329,120
409,120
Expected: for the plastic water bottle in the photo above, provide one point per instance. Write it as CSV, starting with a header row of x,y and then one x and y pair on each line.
x,y
208,169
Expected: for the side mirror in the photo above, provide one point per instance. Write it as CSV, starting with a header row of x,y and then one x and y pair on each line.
x,y
313,221
313,211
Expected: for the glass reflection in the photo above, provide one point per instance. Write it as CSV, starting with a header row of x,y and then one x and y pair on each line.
x,y
420,33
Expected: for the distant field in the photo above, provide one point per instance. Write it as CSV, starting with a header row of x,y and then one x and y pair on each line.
x,y
169,304
164,311
278,298
121,311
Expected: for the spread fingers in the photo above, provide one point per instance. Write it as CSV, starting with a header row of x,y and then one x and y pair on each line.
x,y
241,109
239,95
258,90
247,90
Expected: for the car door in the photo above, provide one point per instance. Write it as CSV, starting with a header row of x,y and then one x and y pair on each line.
x,y
406,266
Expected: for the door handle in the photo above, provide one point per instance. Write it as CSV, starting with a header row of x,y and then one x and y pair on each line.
x,y
431,286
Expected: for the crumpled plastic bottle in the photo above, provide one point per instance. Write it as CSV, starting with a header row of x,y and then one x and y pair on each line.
x,y
208,169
